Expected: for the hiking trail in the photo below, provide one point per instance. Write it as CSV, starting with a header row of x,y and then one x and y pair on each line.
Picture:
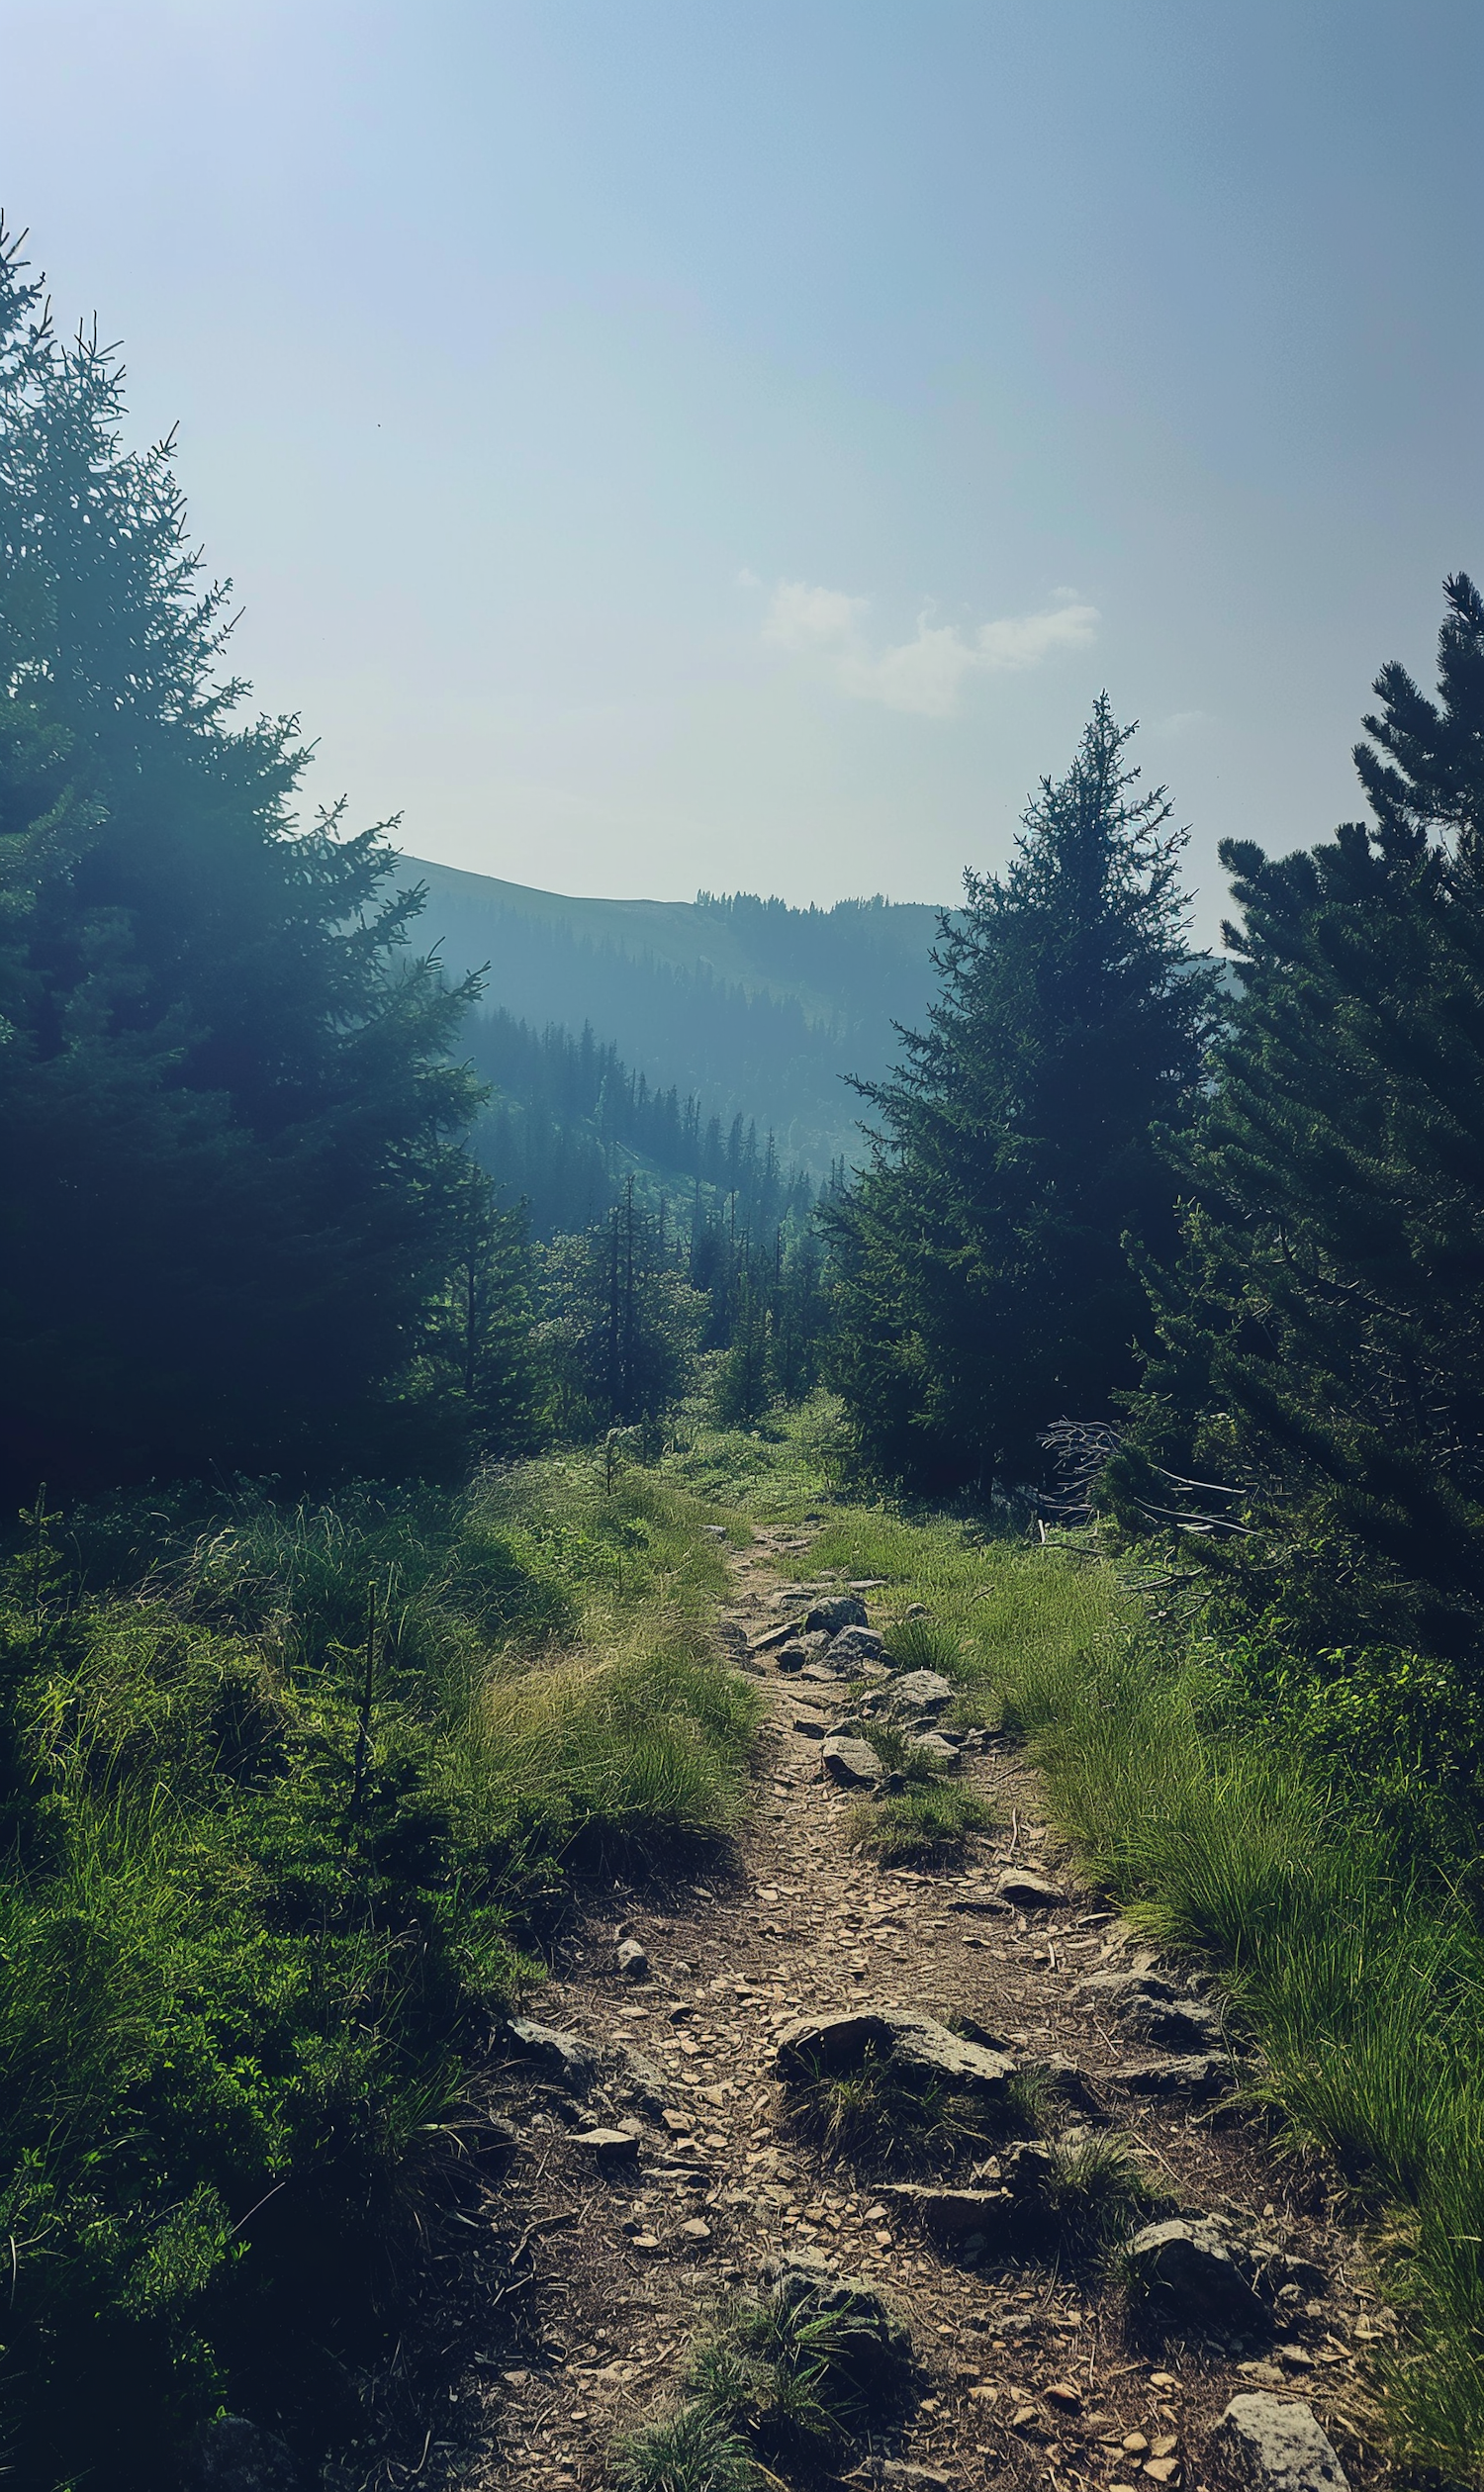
x,y
616,2255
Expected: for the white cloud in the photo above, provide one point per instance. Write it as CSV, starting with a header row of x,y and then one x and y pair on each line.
x,y
747,578
925,674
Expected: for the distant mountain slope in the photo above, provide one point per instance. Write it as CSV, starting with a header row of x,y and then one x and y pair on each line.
x,y
759,1008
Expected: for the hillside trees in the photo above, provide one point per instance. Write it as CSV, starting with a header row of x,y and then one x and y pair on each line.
x,y
983,1285
1320,1356
228,1120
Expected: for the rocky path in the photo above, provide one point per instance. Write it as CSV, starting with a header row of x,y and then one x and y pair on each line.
x,y
655,2169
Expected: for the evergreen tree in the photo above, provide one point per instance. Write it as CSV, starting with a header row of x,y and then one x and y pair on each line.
x,y
228,1121
620,1325
983,1289
1321,1359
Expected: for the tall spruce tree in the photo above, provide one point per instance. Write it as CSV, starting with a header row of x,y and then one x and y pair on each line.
x,y
229,1126
1321,1354
983,1288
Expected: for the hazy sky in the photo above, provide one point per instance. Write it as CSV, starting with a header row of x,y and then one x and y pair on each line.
x,y
661,445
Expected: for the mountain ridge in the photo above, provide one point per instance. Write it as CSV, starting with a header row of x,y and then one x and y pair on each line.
x,y
761,1011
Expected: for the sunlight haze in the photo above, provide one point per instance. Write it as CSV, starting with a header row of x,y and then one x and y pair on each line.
x,y
661,447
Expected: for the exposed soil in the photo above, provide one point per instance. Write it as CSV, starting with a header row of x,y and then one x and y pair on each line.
x,y
591,2286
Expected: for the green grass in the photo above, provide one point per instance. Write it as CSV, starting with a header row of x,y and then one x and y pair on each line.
x,y
249,1935
694,2450
932,1824
795,2378
1095,2195
879,2119
1362,1985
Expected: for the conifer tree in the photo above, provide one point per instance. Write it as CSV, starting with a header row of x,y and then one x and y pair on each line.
x,y
984,1287
1321,1359
233,1186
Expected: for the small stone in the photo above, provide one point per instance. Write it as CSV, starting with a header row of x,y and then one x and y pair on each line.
x,y
791,1658
1062,2393
1161,2469
611,2145
1134,2444
560,2056
1021,2417
647,2242
851,1762
925,2478
1031,1894
695,2228
1195,2077
1268,2443
939,1753
679,2123
633,1963
1187,2269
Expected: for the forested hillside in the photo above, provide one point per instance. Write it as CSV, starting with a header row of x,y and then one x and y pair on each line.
x,y
761,1011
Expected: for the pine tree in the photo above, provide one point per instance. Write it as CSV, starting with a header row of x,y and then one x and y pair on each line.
x,y
1320,1359
983,1288
228,1119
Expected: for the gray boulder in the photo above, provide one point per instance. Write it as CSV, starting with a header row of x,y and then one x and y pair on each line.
x,y
1124,1984
561,2056
1268,2443
920,1691
856,1643
1185,2269
846,1609
918,2045
633,1963
851,1762
1171,2024
1023,1887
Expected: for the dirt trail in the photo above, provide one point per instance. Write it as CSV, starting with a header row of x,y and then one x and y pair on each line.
x,y
619,2266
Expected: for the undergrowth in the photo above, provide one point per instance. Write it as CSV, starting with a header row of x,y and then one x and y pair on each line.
x,y
265,1880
